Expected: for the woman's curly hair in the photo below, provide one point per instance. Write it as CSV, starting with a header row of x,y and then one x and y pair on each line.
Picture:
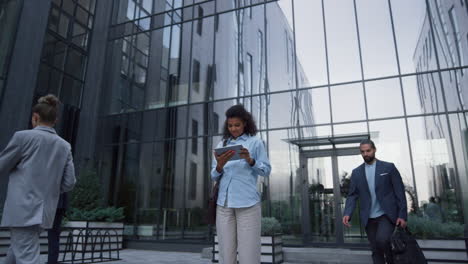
x,y
240,112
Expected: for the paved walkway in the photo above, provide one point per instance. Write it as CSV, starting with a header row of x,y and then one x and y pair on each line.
x,y
132,256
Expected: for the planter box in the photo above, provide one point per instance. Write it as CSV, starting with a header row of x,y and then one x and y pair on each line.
x,y
90,242
271,252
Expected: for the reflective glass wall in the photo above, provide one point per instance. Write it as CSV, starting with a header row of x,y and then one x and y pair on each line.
x,y
9,15
65,51
394,69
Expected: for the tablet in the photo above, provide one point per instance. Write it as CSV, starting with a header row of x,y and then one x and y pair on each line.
x,y
236,148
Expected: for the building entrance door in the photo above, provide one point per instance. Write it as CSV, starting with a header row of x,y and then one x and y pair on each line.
x,y
326,177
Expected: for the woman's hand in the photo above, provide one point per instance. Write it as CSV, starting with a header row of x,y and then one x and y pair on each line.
x,y
244,153
223,159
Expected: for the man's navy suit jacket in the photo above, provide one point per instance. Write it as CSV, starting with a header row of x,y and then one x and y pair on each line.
x,y
389,190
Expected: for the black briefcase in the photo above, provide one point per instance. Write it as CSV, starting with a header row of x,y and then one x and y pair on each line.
x,y
405,248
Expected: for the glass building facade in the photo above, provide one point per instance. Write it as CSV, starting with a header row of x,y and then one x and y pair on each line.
x,y
9,15
318,77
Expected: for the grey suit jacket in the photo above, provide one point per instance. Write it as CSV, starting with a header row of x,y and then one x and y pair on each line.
x,y
40,166
389,189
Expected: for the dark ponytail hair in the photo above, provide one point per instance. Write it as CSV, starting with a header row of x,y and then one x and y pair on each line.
x,y
47,108
240,112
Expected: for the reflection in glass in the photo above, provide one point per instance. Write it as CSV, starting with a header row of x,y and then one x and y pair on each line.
x,y
456,90
282,111
340,25
411,36
350,128
435,176
392,145
384,98
285,185
348,102
375,31
310,47
459,128
423,94
322,200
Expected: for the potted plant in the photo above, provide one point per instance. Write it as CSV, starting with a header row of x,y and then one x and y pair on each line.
x,y
272,243
90,227
271,239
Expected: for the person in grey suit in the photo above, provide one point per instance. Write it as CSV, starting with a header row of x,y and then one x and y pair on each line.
x,y
40,167
379,187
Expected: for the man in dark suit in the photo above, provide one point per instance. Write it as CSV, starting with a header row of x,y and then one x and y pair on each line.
x,y
379,187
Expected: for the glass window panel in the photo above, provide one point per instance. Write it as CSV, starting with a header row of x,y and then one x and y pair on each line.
x,y
435,175
55,81
82,16
423,94
459,128
75,63
173,182
456,90
71,91
63,26
317,131
392,145
147,5
203,71
315,106
120,180
348,102
413,35
340,25
153,125
280,41
311,55
223,5
384,98
376,37
80,36
351,128
447,35
282,111
69,7
286,8
227,62
285,185
178,92
110,132
150,190
259,111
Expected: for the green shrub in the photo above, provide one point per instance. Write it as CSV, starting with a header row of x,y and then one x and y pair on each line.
x,y
426,228
270,226
86,201
87,194
108,214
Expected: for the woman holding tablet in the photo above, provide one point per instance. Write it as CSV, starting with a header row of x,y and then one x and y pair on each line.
x,y
238,214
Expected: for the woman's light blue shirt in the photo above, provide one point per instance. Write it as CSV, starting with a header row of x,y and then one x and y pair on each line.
x,y
239,182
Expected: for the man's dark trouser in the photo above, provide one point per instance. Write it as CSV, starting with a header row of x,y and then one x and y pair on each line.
x,y
53,237
379,231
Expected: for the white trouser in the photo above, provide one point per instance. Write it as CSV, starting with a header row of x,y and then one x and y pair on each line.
x,y
239,230
24,245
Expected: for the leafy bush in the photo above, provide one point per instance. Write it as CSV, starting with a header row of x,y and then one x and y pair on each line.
x,y
87,194
427,228
108,214
270,226
86,201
